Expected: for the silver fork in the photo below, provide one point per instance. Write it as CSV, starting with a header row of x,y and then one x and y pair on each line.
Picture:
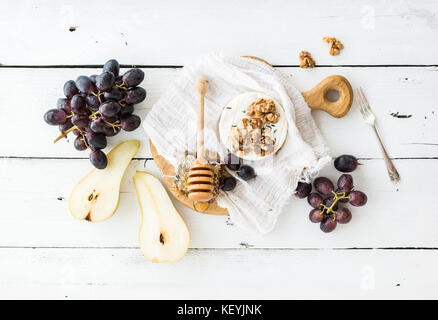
x,y
370,119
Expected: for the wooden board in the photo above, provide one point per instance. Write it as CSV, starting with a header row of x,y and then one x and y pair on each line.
x,y
168,171
316,99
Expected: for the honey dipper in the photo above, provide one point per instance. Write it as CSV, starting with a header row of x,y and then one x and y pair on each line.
x,y
200,177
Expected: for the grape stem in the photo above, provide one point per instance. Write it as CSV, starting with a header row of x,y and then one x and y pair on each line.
x,y
93,115
98,94
114,125
64,134
85,141
121,86
122,102
337,197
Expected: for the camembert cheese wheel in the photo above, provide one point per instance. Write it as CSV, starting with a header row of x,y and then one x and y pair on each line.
x,y
253,126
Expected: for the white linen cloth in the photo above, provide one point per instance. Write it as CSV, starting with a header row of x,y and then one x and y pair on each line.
x,y
171,125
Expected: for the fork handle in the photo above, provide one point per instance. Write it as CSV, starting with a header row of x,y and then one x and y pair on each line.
x,y
392,171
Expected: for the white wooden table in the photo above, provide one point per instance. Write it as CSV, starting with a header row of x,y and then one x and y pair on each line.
x,y
390,248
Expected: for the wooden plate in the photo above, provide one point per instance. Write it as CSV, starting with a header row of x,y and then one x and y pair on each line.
x,y
168,171
316,99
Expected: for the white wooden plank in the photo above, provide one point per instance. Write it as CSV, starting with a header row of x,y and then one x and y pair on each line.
x,y
30,92
219,274
399,215
169,32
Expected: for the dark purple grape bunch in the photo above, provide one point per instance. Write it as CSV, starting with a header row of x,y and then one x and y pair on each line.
x,y
98,107
326,201
245,172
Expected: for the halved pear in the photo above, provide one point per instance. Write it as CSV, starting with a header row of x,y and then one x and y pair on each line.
x,y
164,236
96,197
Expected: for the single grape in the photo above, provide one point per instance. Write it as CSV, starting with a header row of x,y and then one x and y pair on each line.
x,y
131,122
303,189
328,224
341,193
111,119
96,140
345,183
76,132
246,172
135,95
85,85
346,163
316,215
133,77
79,143
315,200
328,201
93,102
78,104
233,162
98,125
110,131
98,159
109,109
358,198
60,102
343,216
105,81
80,120
114,94
64,104
67,125
229,184
93,78
70,89
112,66
119,80
126,110
323,185
55,117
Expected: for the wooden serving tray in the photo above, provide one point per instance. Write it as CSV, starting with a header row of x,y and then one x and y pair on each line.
x,y
316,100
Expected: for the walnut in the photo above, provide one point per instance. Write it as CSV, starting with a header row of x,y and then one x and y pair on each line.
x,y
256,123
259,107
306,60
266,106
335,45
271,117
255,137
254,113
252,109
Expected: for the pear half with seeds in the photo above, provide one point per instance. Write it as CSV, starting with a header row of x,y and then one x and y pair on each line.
x,y
96,197
164,236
